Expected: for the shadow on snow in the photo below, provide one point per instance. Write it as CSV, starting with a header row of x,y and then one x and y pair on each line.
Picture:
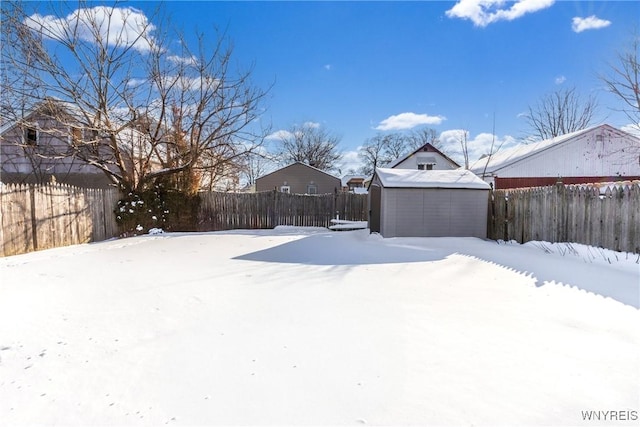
x,y
359,248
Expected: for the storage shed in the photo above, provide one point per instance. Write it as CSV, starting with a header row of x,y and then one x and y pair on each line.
x,y
419,203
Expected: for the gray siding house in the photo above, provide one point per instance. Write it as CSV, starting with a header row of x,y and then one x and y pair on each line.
x,y
417,203
299,178
37,149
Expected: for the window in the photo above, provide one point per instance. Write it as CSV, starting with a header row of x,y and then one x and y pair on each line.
x,y
30,136
285,189
426,163
312,188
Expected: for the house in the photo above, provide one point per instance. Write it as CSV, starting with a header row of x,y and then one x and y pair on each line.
x,y
426,157
299,178
596,154
37,149
354,184
43,146
437,203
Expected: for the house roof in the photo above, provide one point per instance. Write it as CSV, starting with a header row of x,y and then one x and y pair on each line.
x,y
426,147
520,152
303,164
411,178
68,108
347,178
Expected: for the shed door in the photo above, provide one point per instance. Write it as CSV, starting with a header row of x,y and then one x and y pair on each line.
x,y
374,212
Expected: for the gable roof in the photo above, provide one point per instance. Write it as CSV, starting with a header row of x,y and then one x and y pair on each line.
x,y
34,109
70,109
426,147
520,152
345,179
412,178
303,164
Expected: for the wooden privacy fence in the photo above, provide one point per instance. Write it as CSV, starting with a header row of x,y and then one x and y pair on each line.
x,y
224,211
35,217
569,213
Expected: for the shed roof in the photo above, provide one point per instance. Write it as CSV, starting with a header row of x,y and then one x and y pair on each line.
x,y
411,178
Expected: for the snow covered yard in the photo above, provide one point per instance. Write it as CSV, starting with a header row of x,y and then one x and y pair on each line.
x,y
307,326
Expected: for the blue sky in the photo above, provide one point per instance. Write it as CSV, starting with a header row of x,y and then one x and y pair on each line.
x,y
358,68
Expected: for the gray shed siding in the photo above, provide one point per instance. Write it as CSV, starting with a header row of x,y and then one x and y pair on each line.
x,y
436,212
298,176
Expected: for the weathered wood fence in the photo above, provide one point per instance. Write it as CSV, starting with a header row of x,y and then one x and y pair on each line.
x,y
569,213
224,211
47,216
35,217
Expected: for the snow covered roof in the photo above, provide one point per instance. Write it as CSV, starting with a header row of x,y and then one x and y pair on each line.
x,y
509,156
413,178
345,179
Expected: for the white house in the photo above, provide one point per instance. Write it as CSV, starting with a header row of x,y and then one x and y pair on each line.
x,y
426,157
596,154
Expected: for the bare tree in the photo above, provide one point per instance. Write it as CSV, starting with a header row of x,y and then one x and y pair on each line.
x,y
312,144
152,113
561,112
623,80
396,146
256,165
463,139
419,138
384,148
372,154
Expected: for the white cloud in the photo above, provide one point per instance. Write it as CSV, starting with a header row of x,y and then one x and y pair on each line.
x,y
485,12
408,120
286,134
135,82
350,161
279,135
560,79
633,129
590,23
123,26
328,67
183,60
478,145
185,83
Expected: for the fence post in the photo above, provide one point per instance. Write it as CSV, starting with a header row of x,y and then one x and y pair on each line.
x,y
34,222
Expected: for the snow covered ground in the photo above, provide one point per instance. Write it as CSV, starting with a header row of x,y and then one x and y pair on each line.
x,y
307,326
